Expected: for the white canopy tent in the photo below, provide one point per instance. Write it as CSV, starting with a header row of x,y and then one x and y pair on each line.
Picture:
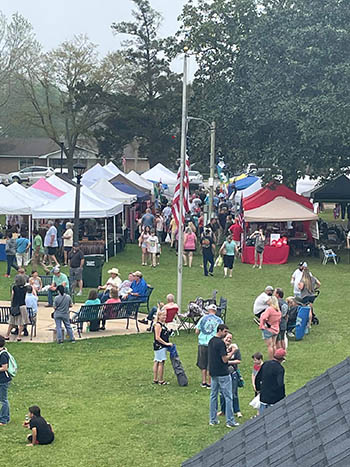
x,y
280,209
94,174
104,187
30,198
12,203
62,185
305,185
159,173
113,169
135,177
90,207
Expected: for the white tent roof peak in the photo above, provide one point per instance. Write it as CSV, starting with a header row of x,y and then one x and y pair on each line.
x,y
113,169
104,187
280,209
160,173
95,173
135,177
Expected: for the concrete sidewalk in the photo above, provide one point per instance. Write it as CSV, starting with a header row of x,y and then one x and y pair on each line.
x,y
46,330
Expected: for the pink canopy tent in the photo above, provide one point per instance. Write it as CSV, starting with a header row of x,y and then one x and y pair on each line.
x,y
45,188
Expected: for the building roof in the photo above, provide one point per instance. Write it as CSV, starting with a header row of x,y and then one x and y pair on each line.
x,y
26,147
34,147
309,428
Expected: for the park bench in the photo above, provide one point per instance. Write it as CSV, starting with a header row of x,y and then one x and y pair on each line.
x,y
108,311
144,300
5,315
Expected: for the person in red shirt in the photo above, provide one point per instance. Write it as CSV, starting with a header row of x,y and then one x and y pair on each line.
x,y
236,231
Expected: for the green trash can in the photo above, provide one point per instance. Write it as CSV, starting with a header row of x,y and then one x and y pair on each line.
x,y
92,271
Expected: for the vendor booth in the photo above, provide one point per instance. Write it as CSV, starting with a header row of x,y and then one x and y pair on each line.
x,y
94,174
285,217
127,186
160,174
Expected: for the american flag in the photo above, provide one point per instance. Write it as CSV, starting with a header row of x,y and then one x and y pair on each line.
x,y
186,193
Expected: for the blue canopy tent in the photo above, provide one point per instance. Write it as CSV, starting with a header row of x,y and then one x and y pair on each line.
x,y
127,186
242,184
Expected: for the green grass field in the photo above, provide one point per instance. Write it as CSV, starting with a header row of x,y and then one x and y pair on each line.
x,y
98,393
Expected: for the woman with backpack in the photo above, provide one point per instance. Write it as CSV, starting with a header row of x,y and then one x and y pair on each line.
x,y
62,304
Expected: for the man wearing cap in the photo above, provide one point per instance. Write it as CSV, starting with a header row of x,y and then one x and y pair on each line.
x,y
76,263
138,288
114,281
260,303
58,279
206,329
269,381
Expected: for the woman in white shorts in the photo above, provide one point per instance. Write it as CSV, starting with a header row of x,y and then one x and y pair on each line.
x,y
160,344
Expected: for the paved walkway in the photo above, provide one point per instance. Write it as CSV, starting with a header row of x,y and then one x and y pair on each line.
x,y
46,332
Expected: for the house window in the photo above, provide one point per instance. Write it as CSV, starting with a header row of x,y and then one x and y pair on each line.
x,y
56,163
25,162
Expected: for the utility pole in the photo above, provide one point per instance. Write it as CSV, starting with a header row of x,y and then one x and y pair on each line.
x,y
182,173
212,168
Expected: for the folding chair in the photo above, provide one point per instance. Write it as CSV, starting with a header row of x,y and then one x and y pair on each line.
x,y
222,308
329,255
172,317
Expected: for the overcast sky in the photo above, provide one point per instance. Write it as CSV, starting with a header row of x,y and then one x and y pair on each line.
x,y
55,22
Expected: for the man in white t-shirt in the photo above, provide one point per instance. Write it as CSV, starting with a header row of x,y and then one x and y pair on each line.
x,y
260,303
50,243
296,277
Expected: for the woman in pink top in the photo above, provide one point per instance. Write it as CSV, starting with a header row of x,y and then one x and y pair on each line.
x,y
190,243
114,298
270,325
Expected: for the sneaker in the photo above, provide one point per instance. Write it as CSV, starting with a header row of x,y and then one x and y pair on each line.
x,y
208,386
211,274
6,275
73,341
79,294
256,321
203,385
220,414
232,426
214,423
143,321
290,334
239,415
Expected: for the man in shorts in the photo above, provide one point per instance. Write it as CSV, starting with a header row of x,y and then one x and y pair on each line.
x,y
260,303
50,243
76,262
206,329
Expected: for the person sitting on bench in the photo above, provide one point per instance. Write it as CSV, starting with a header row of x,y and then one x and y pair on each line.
x,y
169,304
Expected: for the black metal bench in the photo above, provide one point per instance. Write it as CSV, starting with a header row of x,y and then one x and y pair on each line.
x,y
5,315
124,310
145,299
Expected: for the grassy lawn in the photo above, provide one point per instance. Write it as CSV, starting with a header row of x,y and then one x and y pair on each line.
x,y
98,394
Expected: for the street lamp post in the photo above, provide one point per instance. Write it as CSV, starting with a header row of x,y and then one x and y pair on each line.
x,y
212,127
78,171
61,143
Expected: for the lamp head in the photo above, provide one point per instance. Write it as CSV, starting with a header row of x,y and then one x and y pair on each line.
x,y
79,169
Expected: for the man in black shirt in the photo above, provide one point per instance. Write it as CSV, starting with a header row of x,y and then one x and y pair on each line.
x,y
208,248
269,381
76,263
220,377
42,432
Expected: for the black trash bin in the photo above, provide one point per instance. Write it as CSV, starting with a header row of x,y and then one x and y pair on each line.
x,y
92,271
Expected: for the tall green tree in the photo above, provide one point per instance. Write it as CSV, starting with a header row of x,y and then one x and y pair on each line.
x,y
283,81
150,111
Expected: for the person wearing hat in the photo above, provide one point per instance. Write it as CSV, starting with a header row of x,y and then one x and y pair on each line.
x,y
113,281
59,278
269,381
296,277
260,304
76,262
206,329
138,288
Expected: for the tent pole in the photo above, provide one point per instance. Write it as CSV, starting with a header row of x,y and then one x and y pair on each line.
x,y
106,239
30,235
114,236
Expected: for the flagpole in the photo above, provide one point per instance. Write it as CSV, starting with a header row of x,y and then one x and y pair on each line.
x,y
182,172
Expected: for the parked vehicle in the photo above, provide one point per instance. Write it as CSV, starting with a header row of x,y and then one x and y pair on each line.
x,y
4,179
30,174
195,176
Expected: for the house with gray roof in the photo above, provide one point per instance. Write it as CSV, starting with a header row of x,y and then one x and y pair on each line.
x,y
309,428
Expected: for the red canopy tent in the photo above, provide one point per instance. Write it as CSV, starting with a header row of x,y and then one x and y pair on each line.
x,y
271,191
276,203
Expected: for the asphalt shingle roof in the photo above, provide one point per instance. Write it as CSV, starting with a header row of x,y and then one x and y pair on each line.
x,y
309,428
